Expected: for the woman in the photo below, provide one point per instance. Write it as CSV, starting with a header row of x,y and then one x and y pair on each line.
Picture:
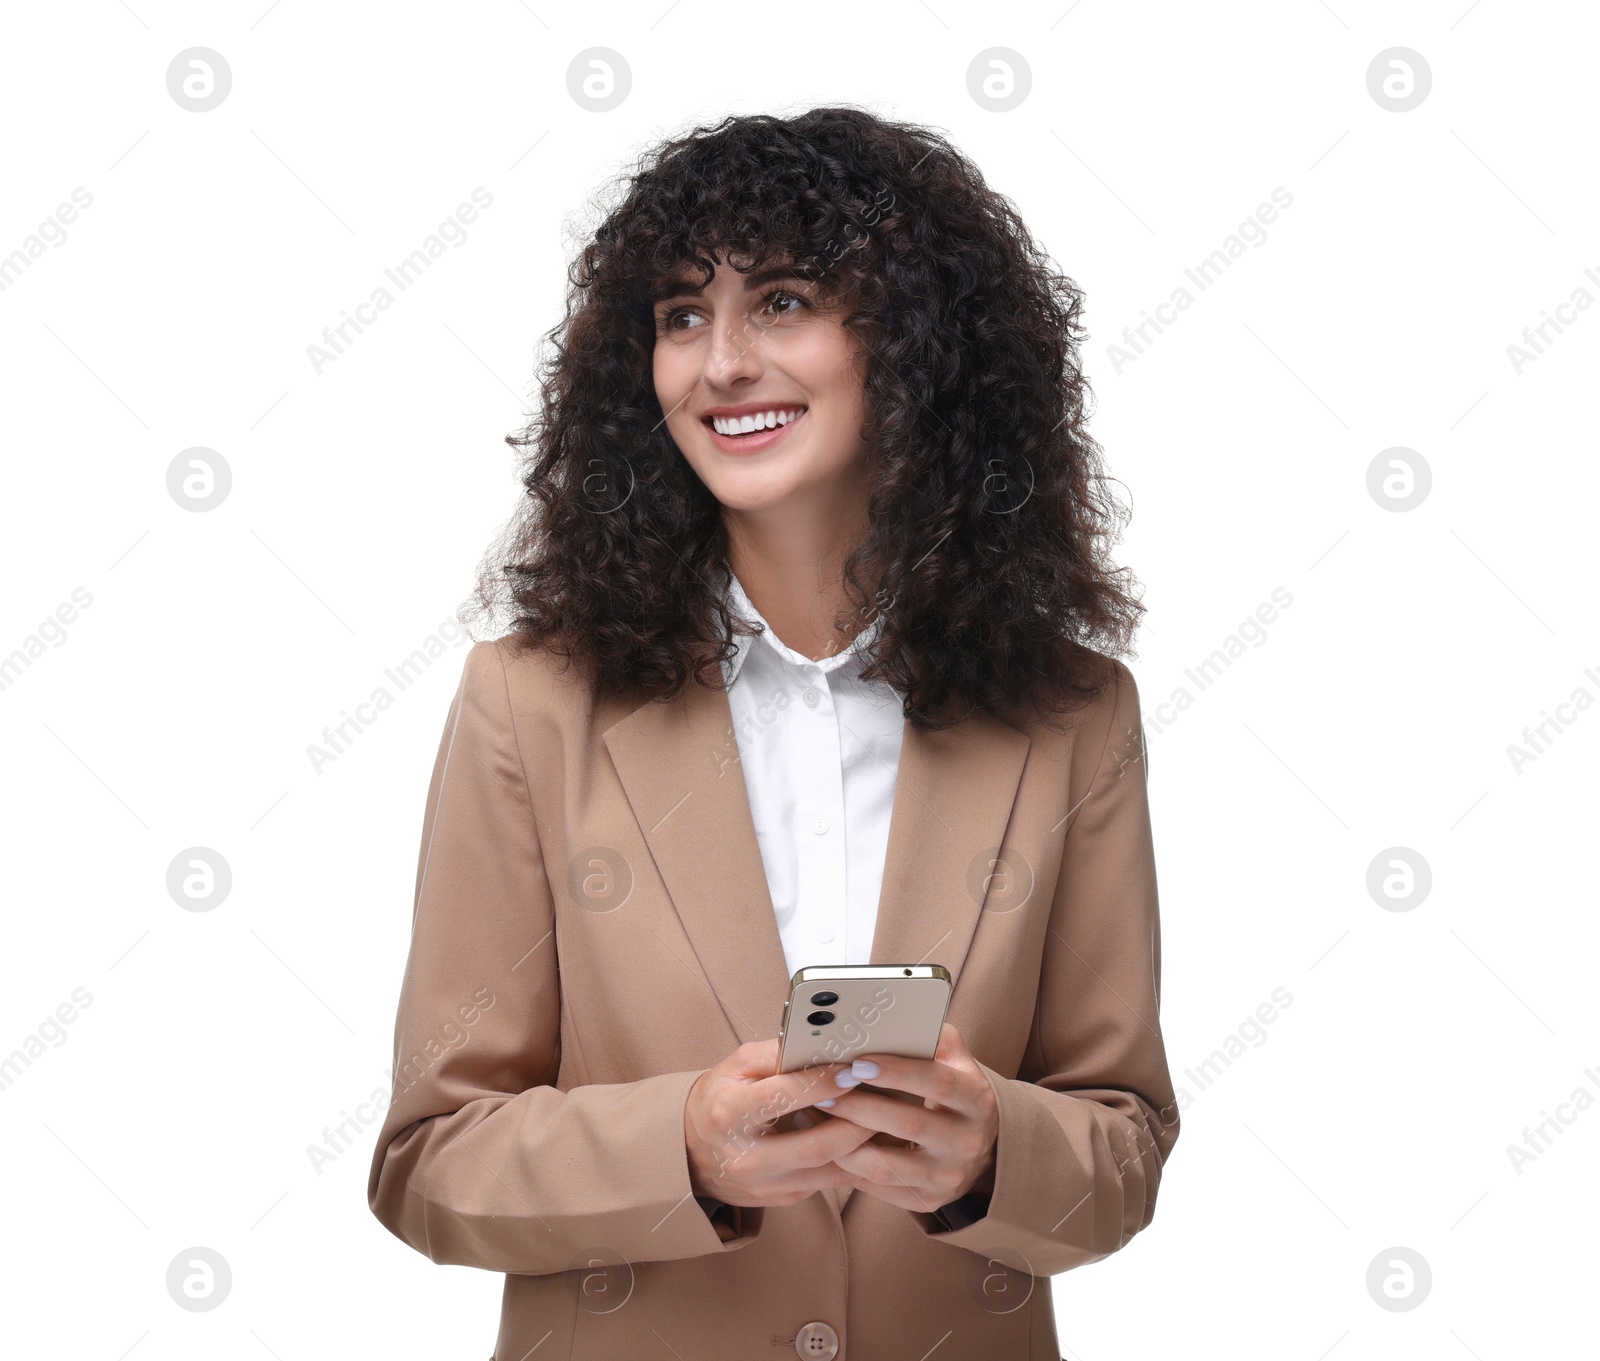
x,y
812,664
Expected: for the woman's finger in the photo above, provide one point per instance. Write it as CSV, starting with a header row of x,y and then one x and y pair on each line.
x,y
952,1048
947,1084
816,1146
801,1160
780,1093
903,1119
894,1174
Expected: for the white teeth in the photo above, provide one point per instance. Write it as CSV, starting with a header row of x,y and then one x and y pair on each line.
x,y
760,420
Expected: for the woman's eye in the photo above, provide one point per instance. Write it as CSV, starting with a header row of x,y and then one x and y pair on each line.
x,y
778,303
774,301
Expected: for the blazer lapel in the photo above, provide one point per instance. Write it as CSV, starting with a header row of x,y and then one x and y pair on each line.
x,y
952,802
679,766
953,798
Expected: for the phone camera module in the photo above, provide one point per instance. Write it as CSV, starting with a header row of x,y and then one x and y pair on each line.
x,y
819,1018
824,999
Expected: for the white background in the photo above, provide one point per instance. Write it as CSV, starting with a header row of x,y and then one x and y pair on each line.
x,y
1377,1109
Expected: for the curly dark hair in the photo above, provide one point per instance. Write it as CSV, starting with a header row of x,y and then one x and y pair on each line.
x,y
989,523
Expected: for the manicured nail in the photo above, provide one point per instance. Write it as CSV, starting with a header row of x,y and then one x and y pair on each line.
x,y
864,1068
828,1102
846,1078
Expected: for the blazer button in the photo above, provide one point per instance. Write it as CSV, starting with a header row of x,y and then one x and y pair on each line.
x,y
817,1342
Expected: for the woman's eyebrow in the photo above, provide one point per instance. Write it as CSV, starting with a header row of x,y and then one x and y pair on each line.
x,y
684,288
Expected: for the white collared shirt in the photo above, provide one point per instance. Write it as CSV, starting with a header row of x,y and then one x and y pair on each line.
x,y
820,752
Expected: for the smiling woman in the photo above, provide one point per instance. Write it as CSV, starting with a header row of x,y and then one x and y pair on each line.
x,y
864,263
720,325
812,661
762,384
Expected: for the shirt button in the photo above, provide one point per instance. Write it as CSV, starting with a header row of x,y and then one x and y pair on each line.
x,y
819,826
811,696
817,1342
825,936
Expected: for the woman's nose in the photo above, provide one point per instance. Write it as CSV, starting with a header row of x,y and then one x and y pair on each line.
x,y
735,349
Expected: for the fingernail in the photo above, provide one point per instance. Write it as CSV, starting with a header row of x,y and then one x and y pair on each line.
x,y
846,1078
828,1102
864,1068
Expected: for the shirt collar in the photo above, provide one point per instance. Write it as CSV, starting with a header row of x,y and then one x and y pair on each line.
x,y
850,661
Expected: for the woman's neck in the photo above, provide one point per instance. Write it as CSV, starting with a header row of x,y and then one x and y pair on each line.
x,y
792,569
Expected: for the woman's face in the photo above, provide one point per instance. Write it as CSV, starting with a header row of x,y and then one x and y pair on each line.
x,y
762,351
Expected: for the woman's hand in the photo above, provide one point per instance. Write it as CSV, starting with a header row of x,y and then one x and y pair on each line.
x,y
954,1129
734,1152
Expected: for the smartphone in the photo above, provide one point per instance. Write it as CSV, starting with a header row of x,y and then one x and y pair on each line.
x,y
838,1012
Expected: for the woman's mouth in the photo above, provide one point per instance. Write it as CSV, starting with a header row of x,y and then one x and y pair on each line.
x,y
753,432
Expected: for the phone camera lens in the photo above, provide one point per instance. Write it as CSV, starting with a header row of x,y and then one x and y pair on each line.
x,y
819,1018
824,999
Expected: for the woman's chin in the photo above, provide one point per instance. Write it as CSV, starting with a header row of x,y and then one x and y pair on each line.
x,y
753,499
751,483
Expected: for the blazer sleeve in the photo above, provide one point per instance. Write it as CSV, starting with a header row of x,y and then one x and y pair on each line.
x,y
482,1161
1087,1124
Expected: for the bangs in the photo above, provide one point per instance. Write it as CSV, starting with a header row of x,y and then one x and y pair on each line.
x,y
693,273
756,207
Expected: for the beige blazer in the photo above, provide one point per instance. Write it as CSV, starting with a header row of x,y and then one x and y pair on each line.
x,y
593,929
